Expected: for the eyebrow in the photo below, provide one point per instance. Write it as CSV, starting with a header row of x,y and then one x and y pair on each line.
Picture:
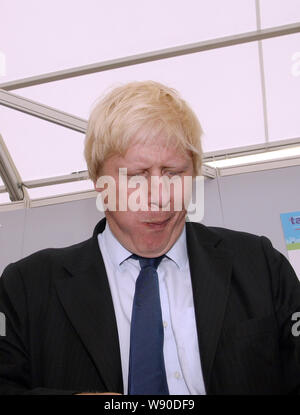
x,y
170,167
142,166
184,166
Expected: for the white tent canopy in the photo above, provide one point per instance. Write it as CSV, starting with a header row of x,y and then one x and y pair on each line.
x,y
237,62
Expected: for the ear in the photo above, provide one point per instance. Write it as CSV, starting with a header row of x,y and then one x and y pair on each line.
x,y
195,210
97,186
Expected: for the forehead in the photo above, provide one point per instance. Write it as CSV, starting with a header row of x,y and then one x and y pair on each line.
x,y
155,153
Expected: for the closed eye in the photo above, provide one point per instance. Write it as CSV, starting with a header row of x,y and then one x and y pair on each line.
x,y
174,173
142,173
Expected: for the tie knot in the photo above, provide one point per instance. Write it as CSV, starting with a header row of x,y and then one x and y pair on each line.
x,y
148,262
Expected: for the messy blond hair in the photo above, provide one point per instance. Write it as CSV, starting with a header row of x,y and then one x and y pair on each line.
x,y
140,110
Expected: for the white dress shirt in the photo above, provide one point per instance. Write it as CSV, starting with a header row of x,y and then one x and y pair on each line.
x,y
181,351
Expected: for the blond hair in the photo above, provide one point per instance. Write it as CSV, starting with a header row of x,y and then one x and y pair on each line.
x,y
143,110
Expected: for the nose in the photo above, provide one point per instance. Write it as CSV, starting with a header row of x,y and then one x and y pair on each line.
x,y
159,193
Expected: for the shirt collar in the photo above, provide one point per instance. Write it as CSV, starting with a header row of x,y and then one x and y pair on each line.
x,y
178,253
118,253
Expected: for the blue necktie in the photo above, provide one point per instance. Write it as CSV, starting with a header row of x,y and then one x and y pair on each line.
x,y
147,374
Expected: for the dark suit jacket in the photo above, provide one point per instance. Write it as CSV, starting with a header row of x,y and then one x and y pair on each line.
x,y
61,332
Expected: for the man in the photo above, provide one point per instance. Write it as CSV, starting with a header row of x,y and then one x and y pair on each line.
x,y
150,304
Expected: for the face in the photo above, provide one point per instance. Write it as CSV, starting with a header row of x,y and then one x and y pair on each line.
x,y
152,232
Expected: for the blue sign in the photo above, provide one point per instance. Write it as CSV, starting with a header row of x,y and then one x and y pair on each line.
x,y
291,228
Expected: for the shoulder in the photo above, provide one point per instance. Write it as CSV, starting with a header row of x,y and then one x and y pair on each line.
x,y
43,264
224,236
243,246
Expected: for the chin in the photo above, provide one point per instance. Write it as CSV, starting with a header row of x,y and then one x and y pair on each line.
x,y
153,247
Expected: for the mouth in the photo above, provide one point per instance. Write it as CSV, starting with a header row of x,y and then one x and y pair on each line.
x,y
155,224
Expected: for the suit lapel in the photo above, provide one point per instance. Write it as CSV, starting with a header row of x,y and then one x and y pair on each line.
x,y
85,295
211,267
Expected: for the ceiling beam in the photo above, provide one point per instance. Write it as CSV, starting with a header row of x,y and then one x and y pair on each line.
x,y
156,55
36,109
9,174
249,150
68,178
